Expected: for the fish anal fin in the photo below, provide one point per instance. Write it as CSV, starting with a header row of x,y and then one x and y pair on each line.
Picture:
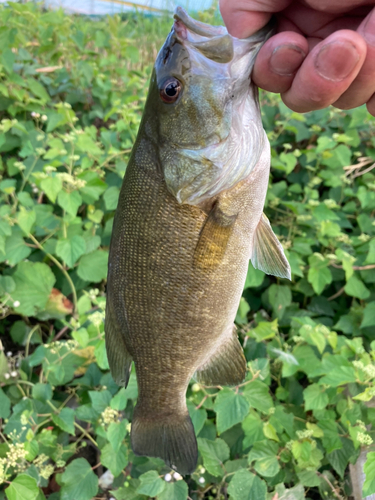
x,y
214,238
119,359
170,437
227,366
268,254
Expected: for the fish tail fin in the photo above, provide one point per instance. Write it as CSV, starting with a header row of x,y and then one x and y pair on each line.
x,y
167,436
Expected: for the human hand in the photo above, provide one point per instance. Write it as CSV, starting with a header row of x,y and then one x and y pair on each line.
x,y
323,52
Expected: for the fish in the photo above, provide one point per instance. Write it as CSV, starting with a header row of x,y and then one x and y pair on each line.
x,y
189,219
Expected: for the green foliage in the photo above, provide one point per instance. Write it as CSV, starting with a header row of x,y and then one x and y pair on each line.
x,y
71,97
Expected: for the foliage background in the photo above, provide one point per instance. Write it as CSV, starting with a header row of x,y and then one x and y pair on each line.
x,y
71,96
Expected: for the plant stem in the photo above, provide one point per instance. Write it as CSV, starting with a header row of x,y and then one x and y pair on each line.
x,y
62,269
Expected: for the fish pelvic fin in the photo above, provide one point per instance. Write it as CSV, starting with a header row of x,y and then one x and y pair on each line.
x,y
268,254
119,359
227,366
167,436
213,239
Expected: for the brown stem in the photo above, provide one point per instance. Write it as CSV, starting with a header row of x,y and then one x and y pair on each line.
x,y
356,268
60,333
337,294
334,491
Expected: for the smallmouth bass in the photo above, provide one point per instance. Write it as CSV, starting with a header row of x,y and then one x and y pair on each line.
x,y
189,218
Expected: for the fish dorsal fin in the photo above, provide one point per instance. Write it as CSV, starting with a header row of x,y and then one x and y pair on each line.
x,y
213,239
268,254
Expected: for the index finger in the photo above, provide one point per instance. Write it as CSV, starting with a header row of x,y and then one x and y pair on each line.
x,y
244,17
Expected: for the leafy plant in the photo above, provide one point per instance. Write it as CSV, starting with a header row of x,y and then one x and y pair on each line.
x,y
71,97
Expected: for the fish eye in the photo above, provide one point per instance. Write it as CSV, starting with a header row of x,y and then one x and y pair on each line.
x,y
170,90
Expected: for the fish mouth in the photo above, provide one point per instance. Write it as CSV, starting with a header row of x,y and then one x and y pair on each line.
x,y
182,18
213,42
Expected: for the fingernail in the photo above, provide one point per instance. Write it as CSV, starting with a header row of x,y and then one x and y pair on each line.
x,y
369,28
286,59
336,60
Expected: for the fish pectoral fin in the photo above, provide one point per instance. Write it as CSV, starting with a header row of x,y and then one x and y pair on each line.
x,y
213,238
227,366
268,254
119,359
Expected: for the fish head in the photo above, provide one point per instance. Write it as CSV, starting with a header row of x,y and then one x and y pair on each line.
x,y
201,88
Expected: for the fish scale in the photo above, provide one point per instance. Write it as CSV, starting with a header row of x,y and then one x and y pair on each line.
x,y
177,269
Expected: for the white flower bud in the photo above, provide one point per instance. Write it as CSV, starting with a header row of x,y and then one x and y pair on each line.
x,y
16,303
177,476
7,376
167,477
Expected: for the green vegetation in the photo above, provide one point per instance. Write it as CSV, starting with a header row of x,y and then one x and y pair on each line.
x,y
71,97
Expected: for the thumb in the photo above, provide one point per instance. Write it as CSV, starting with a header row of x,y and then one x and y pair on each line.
x,y
244,17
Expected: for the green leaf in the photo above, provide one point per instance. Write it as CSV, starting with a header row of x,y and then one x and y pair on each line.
x,y
70,202
263,449
296,493
247,486
214,454
280,298
267,466
42,392
24,487
339,376
369,469
116,433
258,396
70,250
230,409
265,330
315,398
355,288
331,440
110,197
368,315
270,431
87,145
65,420
119,401
79,481
100,400
34,282
198,416
7,60
101,355
319,275
254,277
114,460
38,90
128,492
308,478
174,491
252,426
26,219
151,484
4,404
52,187
93,267
16,249
243,309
